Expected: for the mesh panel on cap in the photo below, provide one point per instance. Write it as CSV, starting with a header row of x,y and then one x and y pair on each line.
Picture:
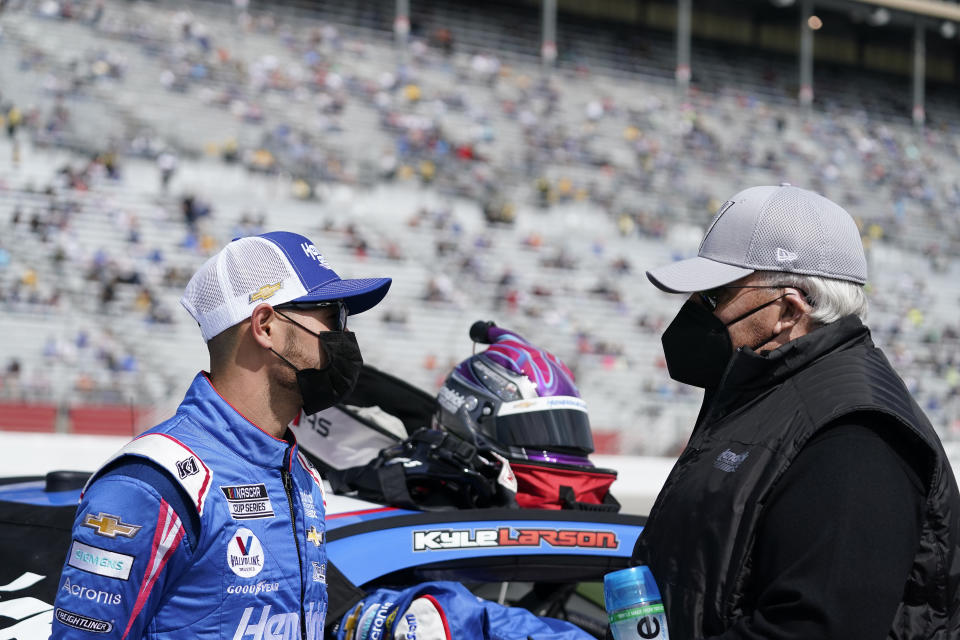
x,y
803,232
252,265
206,295
791,221
845,251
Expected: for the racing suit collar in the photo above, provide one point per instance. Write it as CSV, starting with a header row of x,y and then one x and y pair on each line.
x,y
231,428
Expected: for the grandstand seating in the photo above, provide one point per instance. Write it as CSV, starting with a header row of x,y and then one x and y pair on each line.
x,y
664,165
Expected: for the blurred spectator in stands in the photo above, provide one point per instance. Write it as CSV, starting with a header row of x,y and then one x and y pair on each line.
x,y
394,318
230,152
167,164
12,381
193,209
13,118
442,39
439,289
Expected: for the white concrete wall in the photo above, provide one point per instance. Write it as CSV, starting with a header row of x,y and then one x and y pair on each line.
x,y
23,454
26,454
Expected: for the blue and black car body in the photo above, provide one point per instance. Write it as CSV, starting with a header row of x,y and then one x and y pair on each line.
x,y
548,561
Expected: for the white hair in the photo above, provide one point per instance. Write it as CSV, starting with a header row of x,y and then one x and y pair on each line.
x,y
829,298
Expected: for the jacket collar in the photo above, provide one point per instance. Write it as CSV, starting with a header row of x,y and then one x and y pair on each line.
x,y
230,428
751,373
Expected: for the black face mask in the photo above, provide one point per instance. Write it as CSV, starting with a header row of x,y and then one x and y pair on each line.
x,y
322,388
697,345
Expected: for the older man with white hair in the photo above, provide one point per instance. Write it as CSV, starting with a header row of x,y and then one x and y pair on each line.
x,y
814,498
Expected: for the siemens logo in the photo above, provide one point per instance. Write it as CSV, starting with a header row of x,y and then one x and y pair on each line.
x,y
100,561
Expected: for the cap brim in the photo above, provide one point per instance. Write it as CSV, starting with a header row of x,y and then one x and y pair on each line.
x,y
359,294
695,274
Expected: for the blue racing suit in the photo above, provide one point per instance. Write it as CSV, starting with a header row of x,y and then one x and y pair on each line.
x,y
204,527
446,611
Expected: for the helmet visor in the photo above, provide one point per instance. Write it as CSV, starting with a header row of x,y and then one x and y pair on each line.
x,y
552,422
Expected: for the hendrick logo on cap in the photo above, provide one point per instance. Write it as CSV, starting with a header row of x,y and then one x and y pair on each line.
x,y
314,253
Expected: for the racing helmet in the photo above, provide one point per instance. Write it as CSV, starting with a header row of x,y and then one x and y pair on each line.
x,y
516,399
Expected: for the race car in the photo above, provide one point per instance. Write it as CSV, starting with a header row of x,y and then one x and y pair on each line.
x,y
549,562
456,517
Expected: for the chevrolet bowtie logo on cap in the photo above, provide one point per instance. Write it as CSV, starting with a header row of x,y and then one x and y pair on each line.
x,y
265,291
110,526
314,536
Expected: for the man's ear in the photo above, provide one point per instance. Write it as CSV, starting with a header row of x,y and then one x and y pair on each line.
x,y
263,325
792,311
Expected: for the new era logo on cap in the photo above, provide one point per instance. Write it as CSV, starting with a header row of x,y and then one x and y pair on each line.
x,y
780,228
785,256
273,268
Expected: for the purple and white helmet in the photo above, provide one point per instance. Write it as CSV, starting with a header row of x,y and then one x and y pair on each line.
x,y
516,399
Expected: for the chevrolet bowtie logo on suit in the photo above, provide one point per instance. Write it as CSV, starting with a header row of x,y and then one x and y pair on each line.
x,y
110,526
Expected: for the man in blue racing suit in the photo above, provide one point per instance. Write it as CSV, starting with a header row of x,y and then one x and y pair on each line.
x,y
211,524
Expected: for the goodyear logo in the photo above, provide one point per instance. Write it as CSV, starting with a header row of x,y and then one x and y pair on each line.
x,y
266,291
444,539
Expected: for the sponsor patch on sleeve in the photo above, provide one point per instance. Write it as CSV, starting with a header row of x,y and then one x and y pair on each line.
x,y
84,623
100,561
110,526
87,594
248,501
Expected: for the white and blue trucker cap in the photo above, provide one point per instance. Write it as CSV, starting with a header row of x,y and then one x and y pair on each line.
x,y
273,268
781,228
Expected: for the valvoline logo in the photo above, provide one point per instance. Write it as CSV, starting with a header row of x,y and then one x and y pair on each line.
x,y
245,553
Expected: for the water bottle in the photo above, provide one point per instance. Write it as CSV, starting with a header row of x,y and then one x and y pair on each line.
x,y
634,605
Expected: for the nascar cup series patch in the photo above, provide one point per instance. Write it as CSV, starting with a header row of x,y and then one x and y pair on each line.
x,y
248,501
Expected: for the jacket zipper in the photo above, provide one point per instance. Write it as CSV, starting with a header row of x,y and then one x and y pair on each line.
x,y
288,488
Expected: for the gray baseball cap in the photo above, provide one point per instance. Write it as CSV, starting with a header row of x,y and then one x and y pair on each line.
x,y
780,228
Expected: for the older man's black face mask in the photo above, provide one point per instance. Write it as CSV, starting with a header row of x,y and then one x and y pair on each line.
x,y
697,345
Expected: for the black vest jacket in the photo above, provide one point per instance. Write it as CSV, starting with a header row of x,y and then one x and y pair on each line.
x,y
699,537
